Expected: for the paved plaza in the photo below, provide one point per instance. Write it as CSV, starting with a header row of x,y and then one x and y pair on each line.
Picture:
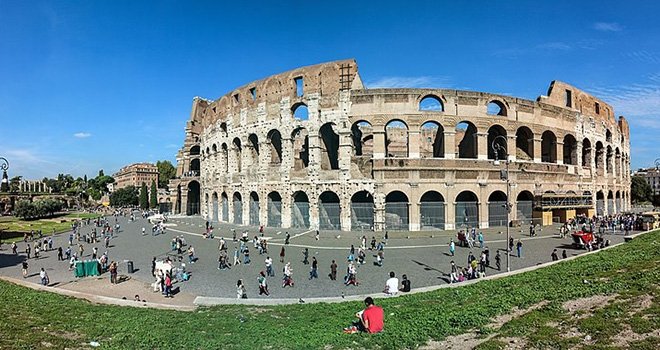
x,y
422,256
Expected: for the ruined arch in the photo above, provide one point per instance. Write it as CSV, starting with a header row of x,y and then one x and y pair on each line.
x,y
329,211
253,149
237,152
608,135
275,144
548,147
300,140
362,210
608,159
300,111
274,209
524,144
570,150
214,149
396,211
214,199
432,210
466,140
300,210
194,198
600,203
586,153
194,150
467,210
494,132
432,143
431,103
600,155
194,167
396,139
225,158
329,146
363,138
238,208
225,206
496,107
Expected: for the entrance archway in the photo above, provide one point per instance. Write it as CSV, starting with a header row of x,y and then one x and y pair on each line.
x,y
497,212
467,210
300,210
396,211
432,211
274,209
238,208
524,207
254,209
362,211
329,211
214,215
193,205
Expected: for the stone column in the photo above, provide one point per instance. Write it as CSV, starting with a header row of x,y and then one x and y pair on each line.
x,y
379,211
379,143
560,152
287,203
537,150
313,210
450,217
414,217
245,196
511,147
482,145
450,144
483,212
578,154
413,143
345,214
287,160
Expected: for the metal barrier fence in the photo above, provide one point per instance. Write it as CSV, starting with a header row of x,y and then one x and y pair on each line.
x,y
225,210
238,212
467,214
329,216
362,216
600,207
193,208
618,205
432,215
497,214
215,210
524,211
300,215
610,207
396,216
274,213
254,212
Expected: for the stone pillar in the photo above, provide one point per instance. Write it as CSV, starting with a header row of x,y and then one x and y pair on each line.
x,y
245,196
379,211
414,217
287,203
450,144
345,214
450,215
483,213
287,160
313,210
263,209
578,154
560,152
511,147
482,145
537,150
379,143
413,143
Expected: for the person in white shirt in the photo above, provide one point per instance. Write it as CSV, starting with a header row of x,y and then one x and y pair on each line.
x,y
392,285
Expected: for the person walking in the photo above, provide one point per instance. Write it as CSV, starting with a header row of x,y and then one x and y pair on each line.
x,y
563,254
168,285
288,237
554,255
28,250
24,268
498,261
237,256
510,244
241,293
246,256
453,275
481,240
44,277
14,248
113,272
333,271
305,253
519,246
313,273
269,267
263,284
452,247
153,266
60,254
282,254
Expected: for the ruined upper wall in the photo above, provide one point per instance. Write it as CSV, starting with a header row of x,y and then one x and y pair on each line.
x,y
325,79
564,95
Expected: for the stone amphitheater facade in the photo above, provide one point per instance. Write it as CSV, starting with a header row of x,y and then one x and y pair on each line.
x,y
314,148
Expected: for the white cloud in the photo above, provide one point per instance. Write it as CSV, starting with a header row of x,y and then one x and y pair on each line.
x,y
608,27
639,103
82,135
556,45
410,82
643,56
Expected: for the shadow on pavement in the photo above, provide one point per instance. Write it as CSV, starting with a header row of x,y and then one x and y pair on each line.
x,y
7,260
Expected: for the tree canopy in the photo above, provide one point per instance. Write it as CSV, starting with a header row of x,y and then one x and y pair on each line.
x,y
127,196
640,190
153,195
144,199
33,210
166,172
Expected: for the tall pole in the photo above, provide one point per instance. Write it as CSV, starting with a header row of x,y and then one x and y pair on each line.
x,y
496,148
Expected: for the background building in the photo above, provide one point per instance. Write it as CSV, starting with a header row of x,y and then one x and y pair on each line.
x,y
313,148
135,175
652,177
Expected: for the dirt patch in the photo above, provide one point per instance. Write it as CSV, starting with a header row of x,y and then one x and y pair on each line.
x,y
627,336
589,303
514,343
642,303
500,320
456,342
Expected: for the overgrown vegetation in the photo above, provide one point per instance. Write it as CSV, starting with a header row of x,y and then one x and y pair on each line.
x,y
36,319
26,209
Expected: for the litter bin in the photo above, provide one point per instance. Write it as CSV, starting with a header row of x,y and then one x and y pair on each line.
x,y
129,266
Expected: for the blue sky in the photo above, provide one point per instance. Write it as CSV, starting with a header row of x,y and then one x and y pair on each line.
x,y
89,85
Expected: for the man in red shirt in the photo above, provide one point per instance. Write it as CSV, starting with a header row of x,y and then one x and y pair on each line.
x,y
372,317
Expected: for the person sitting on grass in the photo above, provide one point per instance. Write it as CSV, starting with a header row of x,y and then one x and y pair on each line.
x,y
371,319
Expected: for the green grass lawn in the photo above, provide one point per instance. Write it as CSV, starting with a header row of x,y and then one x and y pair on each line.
x,y
34,319
59,223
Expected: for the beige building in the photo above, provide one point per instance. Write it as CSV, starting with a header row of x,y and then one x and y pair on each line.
x,y
135,175
652,177
314,148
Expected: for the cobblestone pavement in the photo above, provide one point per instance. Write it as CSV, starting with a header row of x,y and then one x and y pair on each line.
x,y
422,256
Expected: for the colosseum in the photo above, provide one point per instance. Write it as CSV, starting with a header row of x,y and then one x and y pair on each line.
x,y
313,148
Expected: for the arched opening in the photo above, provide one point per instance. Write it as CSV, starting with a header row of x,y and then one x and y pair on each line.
x,y
300,140
253,149
617,198
194,150
214,216
236,154
608,159
362,211
274,209
254,209
194,198
494,133
600,155
225,207
524,207
329,211
300,210
466,140
570,150
225,158
431,103
600,203
610,203
586,153
223,129
497,209
608,135
396,139
432,143
432,211
548,147
362,135
329,147
275,144
194,167
396,211
214,149
238,208
496,107
467,210
617,162
300,111
524,144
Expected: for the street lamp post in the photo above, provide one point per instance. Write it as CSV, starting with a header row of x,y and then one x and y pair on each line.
x,y
4,166
497,148
657,169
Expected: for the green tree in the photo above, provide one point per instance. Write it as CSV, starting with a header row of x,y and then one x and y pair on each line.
x,y
144,198
166,172
126,196
153,195
14,183
640,190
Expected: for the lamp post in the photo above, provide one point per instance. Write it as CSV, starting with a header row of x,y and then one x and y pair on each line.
x,y
657,169
4,166
497,148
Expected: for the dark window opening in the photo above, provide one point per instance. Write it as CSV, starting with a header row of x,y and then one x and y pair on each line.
x,y
569,98
253,93
299,86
